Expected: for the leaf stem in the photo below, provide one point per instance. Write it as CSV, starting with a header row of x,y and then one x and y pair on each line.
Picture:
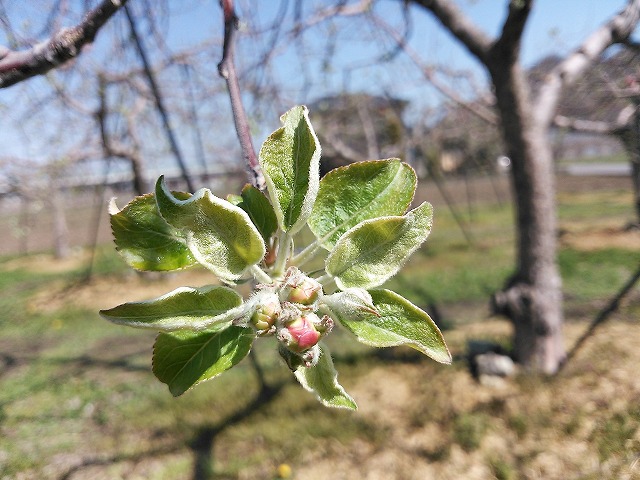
x,y
306,254
325,279
284,247
260,275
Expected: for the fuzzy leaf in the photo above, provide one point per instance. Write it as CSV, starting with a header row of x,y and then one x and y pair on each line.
x,y
183,308
145,240
322,380
220,235
374,250
353,303
399,322
290,160
360,191
184,358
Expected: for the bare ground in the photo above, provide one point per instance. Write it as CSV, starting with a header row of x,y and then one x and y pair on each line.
x,y
431,421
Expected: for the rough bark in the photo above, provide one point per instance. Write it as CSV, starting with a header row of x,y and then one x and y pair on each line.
x,y
60,48
532,298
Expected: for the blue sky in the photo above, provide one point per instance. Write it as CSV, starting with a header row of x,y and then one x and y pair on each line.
x,y
556,27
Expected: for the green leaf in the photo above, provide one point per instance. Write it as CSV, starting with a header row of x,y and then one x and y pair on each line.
x,y
290,160
374,250
353,303
260,211
183,308
145,240
399,322
220,235
360,191
184,358
322,380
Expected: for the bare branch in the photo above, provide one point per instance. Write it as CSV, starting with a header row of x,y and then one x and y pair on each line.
x,y
621,124
429,72
507,47
342,148
474,39
62,47
342,9
155,90
227,70
616,30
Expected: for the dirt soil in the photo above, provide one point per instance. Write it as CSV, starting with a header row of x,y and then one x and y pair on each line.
x,y
439,422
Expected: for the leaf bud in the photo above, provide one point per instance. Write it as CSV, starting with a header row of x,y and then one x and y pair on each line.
x,y
266,314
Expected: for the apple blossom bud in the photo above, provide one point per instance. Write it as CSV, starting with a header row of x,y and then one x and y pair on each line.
x,y
300,334
298,288
306,292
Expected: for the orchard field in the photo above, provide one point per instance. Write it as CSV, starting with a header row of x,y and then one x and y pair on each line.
x,y
78,399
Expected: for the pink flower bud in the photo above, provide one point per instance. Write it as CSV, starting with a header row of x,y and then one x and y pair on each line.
x,y
301,333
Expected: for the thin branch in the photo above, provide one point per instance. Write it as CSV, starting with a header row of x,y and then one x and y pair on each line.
x,y
227,70
474,39
155,90
621,124
429,74
616,30
62,47
341,9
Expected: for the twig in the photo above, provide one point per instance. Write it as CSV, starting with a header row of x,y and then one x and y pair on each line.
x,y
227,70
157,96
60,48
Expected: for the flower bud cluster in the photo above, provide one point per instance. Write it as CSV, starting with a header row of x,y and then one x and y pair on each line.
x,y
288,311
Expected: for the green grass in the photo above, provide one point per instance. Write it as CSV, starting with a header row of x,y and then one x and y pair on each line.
x,y
73,384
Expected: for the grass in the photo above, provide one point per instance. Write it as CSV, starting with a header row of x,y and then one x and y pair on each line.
x,y
77,396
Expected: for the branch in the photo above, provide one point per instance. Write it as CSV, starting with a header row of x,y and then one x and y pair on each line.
x,y
461,27
342,148
155,90
507,47
429,73
342,9
621,124
616,30
227,70
63,46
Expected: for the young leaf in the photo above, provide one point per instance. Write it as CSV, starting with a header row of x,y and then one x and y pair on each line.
x,y
183,358
260,211
145,240
353,303
183,308
322,380
290,160
220,235
360,191
399,322
374,250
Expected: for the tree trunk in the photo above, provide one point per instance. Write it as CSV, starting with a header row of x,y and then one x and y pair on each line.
x,y
532,298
